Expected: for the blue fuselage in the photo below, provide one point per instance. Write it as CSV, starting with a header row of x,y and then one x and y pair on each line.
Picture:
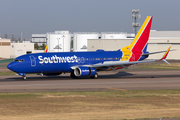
x,y
60,62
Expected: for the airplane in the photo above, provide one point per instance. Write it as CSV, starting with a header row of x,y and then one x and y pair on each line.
x,y
87,64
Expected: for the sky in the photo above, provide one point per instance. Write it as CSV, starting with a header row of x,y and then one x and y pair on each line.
x,y
42,16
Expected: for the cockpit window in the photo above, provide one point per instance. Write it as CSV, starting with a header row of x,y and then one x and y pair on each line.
x,y
18,60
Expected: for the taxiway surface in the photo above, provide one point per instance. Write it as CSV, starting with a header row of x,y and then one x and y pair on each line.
x,y
121,80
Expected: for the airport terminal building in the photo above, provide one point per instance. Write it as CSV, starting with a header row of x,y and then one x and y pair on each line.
x,y
158,41
64,41
5,48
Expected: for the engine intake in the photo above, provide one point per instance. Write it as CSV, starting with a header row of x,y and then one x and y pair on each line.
x,y
84,71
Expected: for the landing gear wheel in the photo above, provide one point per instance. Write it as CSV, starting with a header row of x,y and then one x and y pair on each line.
x,y
73,76
24,77
95,76
42,74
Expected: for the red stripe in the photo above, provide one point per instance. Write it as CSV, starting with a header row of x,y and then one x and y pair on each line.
x,y
164,57
140,44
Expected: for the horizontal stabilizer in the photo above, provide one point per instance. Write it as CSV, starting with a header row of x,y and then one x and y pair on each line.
x,y
156,52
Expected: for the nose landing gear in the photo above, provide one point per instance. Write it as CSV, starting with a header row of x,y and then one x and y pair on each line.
x,y
23,75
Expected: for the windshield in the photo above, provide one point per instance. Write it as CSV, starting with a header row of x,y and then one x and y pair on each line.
x,y
18,60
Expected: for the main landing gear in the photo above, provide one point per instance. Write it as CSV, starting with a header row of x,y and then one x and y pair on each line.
x,y
24,77
75,77
95,76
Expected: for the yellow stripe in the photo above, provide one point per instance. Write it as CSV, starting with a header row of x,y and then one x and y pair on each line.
x,y
109,69
117,89
46,48
127,50
167,51
140,31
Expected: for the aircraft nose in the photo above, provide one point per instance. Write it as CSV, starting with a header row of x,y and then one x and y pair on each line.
x,y
11,66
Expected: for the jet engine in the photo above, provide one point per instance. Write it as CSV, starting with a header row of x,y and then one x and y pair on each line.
x,y
85,71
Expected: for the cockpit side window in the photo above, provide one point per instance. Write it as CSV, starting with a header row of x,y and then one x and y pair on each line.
x,y
19,60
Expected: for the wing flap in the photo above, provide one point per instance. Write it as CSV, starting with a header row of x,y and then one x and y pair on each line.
x,y
119,63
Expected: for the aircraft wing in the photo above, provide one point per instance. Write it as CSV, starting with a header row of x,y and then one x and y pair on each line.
x,y
114,64
124,64
119,63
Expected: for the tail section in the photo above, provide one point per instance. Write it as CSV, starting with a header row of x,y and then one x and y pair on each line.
x,y
135,49
142,37
46,49
145,48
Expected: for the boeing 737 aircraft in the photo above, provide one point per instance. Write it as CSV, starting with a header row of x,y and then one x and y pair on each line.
x,y
87,64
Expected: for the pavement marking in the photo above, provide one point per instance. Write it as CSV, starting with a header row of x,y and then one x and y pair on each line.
x,y
118,89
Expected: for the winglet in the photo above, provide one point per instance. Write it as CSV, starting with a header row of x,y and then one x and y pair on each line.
x,y
46,49
165,55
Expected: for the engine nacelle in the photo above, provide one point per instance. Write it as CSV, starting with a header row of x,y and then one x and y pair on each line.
x,y
84,71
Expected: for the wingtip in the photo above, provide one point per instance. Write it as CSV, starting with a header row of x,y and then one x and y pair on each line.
x,y
166,54
166,61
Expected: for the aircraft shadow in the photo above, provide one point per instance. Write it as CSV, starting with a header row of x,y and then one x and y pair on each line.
x,y
118,75
67,77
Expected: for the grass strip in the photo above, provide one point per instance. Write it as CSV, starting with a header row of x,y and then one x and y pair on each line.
x,y
160,66
6,60
100,105
7,73
2,66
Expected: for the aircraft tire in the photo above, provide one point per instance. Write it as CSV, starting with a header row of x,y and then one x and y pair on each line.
x,y
95,76
24,77
73,76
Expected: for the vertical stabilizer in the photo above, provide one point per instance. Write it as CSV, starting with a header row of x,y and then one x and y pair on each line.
x,y
46,49
135,49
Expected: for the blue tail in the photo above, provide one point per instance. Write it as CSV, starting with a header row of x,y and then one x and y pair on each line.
x,y
144,51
